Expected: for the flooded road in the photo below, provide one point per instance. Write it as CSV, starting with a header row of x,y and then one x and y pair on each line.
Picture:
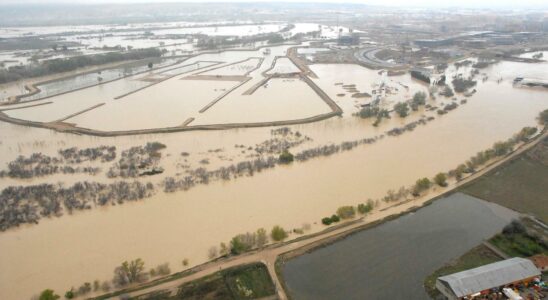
x,y
88,245
391,261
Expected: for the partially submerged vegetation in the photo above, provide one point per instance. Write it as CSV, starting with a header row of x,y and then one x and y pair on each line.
x,y
38,164
28,204
138,161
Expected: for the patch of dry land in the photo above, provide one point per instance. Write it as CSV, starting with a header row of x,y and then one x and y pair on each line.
x,y
204,187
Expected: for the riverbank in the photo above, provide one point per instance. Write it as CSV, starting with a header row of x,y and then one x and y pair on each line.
x,y
328,236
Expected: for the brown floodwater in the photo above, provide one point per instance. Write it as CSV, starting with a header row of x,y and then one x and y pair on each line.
x,y
63,252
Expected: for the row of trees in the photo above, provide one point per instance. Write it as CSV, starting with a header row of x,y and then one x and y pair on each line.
x,y
349,212
58,65
409,126
127,273
281,139
245,242
38,164
75,156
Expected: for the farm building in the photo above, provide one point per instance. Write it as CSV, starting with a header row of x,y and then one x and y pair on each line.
x,y
466,284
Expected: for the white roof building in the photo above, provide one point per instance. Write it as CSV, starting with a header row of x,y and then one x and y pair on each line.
x,y
458,285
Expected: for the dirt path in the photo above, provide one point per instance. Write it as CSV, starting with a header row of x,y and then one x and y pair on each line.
x,y
269,254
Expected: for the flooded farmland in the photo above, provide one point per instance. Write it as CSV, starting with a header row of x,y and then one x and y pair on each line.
x,y
87,245
391,260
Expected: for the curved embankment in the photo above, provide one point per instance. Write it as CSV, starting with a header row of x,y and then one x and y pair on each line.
x,y
70,128
274,255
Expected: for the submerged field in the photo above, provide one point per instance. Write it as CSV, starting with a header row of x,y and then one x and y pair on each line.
x,y
208,89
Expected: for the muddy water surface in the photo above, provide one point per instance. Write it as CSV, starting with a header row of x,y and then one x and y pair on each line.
x,y
169,227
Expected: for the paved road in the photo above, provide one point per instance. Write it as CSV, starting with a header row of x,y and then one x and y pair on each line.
x,y
268,255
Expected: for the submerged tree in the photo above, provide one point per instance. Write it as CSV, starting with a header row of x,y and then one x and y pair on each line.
x,y
278,233
440,179
286,157
129,272
402,109
48,295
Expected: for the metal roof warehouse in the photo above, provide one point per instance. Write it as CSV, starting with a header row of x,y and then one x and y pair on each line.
x,y
473,281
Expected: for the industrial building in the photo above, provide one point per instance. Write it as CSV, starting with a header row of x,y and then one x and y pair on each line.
x,y
481,280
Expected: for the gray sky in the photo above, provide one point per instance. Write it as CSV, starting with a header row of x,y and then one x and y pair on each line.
x,y
406,3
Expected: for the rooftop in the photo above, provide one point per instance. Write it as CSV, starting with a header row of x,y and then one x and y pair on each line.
x,y
488,276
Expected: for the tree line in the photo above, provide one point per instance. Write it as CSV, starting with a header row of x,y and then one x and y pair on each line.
x,y
59,65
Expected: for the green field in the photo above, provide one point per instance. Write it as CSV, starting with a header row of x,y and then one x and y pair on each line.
x,y
242,282
521,184
476,257
518,244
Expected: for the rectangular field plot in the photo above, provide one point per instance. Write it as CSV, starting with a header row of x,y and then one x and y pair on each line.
x,y
238,69
278,100
185,68
283,65
167,104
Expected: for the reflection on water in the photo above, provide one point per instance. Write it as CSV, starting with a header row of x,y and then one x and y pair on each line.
x,y
391,261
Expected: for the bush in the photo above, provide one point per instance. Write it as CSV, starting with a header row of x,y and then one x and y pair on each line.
x,y
525,133
461,85
365,208
421,185
402,109
418,99
447,92
275,39
286,157
48,295
514,227
278,233
242,243
543,117
326,221
368,112
440,179
346,212
70,294
502,148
